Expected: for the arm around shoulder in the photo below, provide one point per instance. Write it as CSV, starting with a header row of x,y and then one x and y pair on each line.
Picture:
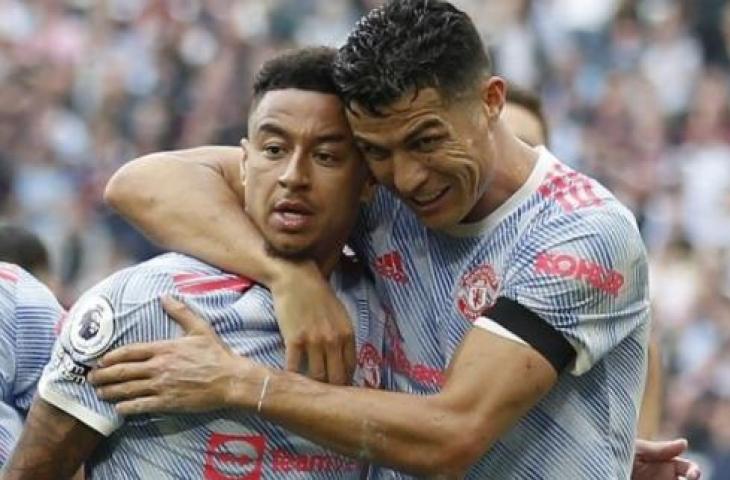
x,y
191,201
156,191
441,434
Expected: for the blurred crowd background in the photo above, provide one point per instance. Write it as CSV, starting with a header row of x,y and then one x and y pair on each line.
x,y
636,91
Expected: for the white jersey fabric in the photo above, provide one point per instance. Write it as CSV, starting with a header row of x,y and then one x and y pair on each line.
x,y
29,314
225,444
565,249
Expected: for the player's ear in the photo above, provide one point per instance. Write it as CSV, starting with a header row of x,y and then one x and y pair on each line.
x,y
244,157
493,92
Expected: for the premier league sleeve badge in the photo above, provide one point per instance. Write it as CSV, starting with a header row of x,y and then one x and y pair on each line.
x,y
91,328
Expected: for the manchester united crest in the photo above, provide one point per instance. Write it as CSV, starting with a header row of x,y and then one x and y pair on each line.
x,y
477,291
369,363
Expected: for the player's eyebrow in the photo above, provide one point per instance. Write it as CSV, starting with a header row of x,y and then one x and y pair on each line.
x,y
272,128
364,141
330,138
420,128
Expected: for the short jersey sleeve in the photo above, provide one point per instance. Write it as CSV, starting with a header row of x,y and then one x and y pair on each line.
x,y
123,309
586,276
37,317
28,316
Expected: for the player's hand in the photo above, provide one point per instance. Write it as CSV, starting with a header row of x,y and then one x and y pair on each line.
x,y
661,461
314,325
190,374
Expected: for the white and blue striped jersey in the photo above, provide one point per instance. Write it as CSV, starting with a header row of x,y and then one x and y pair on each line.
x,y
566,250
224,444
29,314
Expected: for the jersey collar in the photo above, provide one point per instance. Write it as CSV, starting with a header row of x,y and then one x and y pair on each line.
x,y
530,186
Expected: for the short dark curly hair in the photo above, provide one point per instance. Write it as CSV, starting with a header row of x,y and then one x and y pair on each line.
x,y
309,68
408,45
22,247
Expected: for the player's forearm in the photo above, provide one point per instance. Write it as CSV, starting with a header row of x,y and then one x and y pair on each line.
x,y
651,405
421,435
188,201
439,434
53,446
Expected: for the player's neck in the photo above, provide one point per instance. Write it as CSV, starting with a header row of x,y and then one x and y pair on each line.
x,y
513,164
328,262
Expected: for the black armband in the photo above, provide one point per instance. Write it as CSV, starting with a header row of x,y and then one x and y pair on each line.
x,y
535,331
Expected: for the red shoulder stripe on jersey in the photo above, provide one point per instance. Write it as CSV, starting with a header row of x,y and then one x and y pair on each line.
x,y
189,277
212,284
7,274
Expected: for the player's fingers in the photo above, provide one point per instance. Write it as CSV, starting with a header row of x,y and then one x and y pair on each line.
x,y
350,355
660,451
316,362
137,352
184,316
151,404
118,373
126,390
687,469
693,473
293,357
335,363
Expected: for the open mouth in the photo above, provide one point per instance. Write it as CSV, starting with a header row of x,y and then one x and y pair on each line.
x,y
291,215
426,200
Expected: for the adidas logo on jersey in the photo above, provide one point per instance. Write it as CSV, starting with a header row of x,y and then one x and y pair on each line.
x,y
390,266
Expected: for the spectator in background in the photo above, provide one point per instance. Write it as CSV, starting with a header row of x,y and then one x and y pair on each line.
x,y
86,85
23,248
524,115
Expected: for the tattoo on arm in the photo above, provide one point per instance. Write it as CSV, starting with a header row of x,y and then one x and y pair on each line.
x,y
53,445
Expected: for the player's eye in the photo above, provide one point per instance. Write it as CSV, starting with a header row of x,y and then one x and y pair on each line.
x,y
428,144
372,152
325,158
273,151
